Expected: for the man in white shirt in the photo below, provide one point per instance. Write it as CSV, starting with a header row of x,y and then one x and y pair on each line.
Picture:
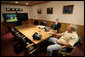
x,y
68,38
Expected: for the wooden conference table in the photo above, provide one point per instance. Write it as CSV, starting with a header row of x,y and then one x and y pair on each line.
x,y
29,30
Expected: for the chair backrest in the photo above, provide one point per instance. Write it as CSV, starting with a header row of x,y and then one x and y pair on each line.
x,y
35,22
13,32
43,23
19,23
77,43
20,40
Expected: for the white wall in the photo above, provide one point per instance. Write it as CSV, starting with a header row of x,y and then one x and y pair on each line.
x,y
26,9
77,17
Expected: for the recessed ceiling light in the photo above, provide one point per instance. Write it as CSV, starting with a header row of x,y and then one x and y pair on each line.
x,y
27,3
16,2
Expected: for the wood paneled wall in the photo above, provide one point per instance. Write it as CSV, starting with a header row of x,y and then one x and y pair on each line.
x,y
80,30
3,28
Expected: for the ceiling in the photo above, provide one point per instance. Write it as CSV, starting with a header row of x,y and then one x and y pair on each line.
x,y
29,3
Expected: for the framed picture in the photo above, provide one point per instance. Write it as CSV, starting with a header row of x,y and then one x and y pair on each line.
x,y
39,11
68,9
50,10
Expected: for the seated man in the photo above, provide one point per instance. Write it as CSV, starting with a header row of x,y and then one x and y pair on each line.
x,y
68,38
56,25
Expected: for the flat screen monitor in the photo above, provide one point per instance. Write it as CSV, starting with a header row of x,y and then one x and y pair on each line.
x,y
22,16
10,17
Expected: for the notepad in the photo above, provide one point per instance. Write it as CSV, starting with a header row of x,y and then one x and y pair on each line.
x,y
40,26
49,32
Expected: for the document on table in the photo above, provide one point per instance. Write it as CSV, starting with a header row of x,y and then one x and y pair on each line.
x,y
49,32
41,26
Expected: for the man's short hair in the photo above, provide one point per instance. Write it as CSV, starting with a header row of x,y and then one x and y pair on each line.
x,y
74,27
57,19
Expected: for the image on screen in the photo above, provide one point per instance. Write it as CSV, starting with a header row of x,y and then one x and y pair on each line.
x,y
11,17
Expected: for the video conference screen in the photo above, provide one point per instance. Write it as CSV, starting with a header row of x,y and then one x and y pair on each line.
x,y
10,17
15,17
22,16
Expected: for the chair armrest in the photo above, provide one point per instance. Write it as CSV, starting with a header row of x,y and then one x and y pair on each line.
x,y
23,37
61,49
33,50
29,45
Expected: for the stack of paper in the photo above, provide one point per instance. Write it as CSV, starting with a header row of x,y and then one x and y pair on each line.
x,y
40,26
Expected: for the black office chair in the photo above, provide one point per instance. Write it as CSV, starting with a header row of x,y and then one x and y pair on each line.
x,y
20,46
35,22
13,31
22,43
43,23
18,23
66,51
